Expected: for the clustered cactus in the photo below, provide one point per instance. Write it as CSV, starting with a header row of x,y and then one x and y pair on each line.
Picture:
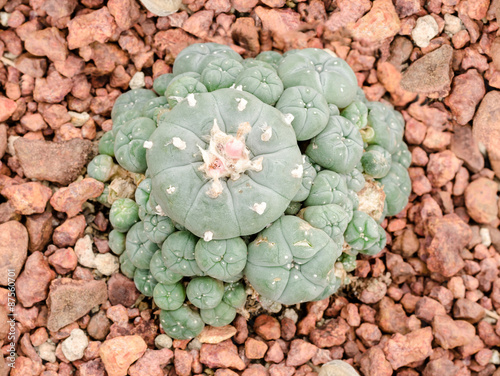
x,y
271,172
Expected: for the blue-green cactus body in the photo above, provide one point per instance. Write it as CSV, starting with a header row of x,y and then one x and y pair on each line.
x,y
144,281
324,73
128,106
338,147
329,187
183,323
179,89
205,292
116,242
102,168
262,82
160,271
130,150
291,261
158,228
309,109
178,254
124,213
197,56
221,73
245,201
221,259
235,294
362,232
376,161
308,175
161,83
107,144
126,266
169,296
356,113
397,188
221,315
331,218
355,180
139,248
271,57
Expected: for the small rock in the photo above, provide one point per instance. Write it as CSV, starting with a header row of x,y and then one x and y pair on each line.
x,y
337,368
107,263
466,148
198,23
67,234
183,362
7,108
427,308
84,252
447,237
476,9
13,250
163,341
467,91
70,199
47,351
300,353
63,260
98,327
224,355
213,335
53,88
70,300
430,75
60,162
122,290
440,367
425,29
481,200
245,33
373,292
33,283
369,334
151,363
452,24
48,42
332,333
465,309
137,81
74,346
278,21
442,168
255,349
402,350
391,318
96,26
486,126
28,198
380,23
78,119
125,12
267,327
374,363
275,353
119,353
451,333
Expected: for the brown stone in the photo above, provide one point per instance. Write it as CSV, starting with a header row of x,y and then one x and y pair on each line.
x,y
440,367
58,162
63,260
300,353
465,309
119,353
98,327
84,29
70,300
40,229
442,168
70,199
33,283
380,23
48,42
224,355
481,200
465,147
245,33
486,126
183,362
467,91
199,23
213,335
426,308
447,236
69,232
122,290
7,108
451,333
53,88
28,198
125,12
255,349
267,327
332,333
402,350
13,250
374,363
391,318
430,75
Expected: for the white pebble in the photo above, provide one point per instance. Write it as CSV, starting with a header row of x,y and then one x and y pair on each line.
x,y
84,252
137,81
452,24
485,236
74,346
107,263
47,351
425,29
163,341
78,119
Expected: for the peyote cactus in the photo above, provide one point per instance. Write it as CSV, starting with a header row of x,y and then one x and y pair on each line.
x,y
261,172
